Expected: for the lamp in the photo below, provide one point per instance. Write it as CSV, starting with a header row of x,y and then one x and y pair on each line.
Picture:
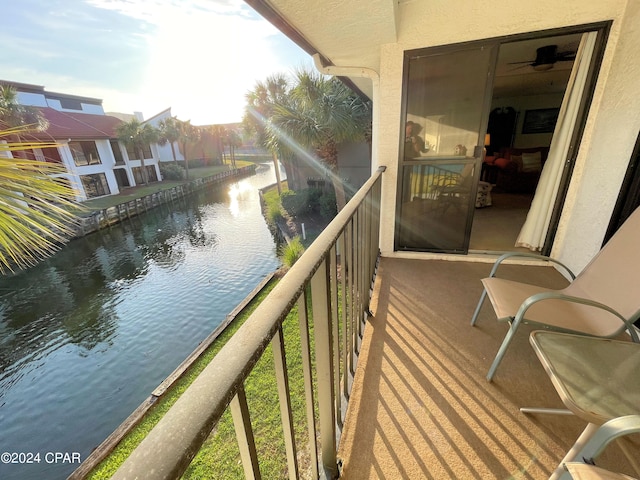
x,y
487,142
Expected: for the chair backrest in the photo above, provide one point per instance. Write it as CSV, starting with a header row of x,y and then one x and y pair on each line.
x,y
611,276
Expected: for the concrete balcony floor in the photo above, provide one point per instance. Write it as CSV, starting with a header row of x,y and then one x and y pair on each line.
x,y
421,406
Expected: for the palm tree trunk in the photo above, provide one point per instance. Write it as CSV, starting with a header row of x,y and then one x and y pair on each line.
x,y
276,166
186,161
338,188
173,152
145,178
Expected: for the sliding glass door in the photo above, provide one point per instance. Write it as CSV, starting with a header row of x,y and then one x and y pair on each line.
x,y
446,99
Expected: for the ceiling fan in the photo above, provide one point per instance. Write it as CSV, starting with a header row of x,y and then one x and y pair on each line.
x,y
546,56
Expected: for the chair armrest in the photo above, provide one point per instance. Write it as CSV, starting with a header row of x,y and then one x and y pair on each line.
x,y
607,432
538,297
536,256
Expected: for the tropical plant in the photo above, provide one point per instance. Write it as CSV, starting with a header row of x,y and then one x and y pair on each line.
x,y
37,203
261,102
188,134
234,141
138,135
321,113
169,132
291,252
171,171
219,133
13,114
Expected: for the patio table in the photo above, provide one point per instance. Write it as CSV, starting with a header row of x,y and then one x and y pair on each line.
x,y
597,378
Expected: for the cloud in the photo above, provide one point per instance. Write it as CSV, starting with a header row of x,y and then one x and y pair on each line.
x,y
155,11
204,57
199,57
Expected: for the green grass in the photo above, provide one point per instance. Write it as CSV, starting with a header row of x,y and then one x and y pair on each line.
x,y
219,456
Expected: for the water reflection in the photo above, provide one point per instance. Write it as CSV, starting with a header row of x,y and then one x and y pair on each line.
x,y
87,335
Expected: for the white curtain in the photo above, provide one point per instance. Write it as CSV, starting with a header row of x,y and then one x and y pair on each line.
x,y
535,228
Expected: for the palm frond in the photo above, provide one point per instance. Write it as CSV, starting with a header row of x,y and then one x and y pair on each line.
x,y
37,205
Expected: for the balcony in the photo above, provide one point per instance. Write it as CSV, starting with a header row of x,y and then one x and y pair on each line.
x,y
396,388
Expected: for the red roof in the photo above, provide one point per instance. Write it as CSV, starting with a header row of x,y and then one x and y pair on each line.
x,y
65,125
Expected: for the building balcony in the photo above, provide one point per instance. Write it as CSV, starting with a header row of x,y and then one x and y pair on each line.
x,y
394,373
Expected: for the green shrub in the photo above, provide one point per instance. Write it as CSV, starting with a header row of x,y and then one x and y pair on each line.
x,y
171,171
302,202
291,252
272,206
327,205
273,213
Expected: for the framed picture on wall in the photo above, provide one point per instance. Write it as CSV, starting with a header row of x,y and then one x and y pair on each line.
x,y
542,120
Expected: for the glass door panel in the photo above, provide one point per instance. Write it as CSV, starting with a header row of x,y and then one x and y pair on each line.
x,y
446,104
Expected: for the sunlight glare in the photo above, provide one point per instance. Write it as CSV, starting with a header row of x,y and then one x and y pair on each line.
x,y
237,192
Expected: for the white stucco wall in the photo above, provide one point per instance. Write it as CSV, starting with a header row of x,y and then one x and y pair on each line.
x,y
610,135
613,121
75,172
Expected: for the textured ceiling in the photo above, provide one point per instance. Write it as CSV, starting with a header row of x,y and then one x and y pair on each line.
x,y
351,34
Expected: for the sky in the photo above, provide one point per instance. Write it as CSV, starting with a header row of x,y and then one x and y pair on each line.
x,y
199,57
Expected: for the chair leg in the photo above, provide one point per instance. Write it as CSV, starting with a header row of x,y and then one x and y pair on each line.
x,y
475,314
502,350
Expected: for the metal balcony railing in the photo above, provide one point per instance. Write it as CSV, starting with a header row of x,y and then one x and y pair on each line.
x,y
343,257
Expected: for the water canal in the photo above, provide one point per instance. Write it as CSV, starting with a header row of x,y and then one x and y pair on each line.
x,y
87,335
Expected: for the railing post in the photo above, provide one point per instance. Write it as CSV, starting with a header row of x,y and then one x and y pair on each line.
x,y
324,367
308,381
344,317
282,379
359,274
351,280
335,331
244,434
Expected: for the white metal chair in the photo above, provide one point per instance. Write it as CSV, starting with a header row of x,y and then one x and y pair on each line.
x,y
583,468
603,300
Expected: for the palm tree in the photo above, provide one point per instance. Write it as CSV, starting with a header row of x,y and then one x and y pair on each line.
x,y
13,114
219,132
36,203
322,113
170,132
188,134
138,135
234,141
261,102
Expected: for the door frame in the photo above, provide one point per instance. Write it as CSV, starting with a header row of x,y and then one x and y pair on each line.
x,y
602,28
484,120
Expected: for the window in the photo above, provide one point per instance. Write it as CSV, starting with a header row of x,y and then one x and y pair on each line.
x,y
85,153
95,185
51,155
117,153
133,155
28,153
121,177
70,104
151,174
